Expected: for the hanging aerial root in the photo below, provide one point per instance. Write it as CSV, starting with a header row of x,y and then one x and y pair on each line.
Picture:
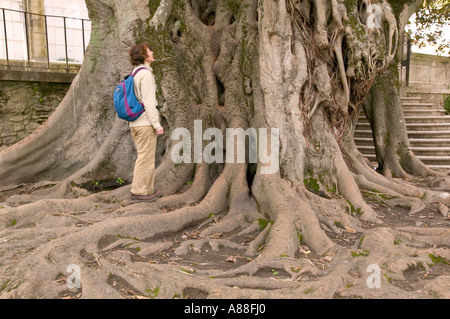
x,y
320,17
344,99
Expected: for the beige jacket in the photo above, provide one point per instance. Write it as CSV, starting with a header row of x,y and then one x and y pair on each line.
x,y
145,91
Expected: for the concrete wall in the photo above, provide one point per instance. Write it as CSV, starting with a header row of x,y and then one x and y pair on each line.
x,y
429,71
429,78
24,106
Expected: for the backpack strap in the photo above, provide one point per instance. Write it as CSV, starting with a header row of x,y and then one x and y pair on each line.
x,y
135,72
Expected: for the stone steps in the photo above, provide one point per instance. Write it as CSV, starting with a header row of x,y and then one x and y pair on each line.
x,y
411,119
408,106
433,162
424,112
410,98
444,136
428,119
419,151
415,127
428,131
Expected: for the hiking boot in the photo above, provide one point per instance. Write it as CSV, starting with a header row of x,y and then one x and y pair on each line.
x,y
157,194
143,198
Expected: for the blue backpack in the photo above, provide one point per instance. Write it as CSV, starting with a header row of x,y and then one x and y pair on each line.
x,y
125,101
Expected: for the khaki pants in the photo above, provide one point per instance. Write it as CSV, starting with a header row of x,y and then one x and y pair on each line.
x,y
144,170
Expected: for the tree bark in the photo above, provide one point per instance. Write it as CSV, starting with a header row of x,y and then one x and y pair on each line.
x,y
384,111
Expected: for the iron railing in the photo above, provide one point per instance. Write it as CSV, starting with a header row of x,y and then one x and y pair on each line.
x,y
44,60
406,59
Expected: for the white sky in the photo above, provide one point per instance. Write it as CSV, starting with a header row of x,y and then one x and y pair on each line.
x,y
77,8
430,49
69,8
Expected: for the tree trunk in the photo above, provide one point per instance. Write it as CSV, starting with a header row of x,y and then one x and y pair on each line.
x,y
384,111
300,70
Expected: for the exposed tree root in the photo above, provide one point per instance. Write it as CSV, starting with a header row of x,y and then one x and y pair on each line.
x,y
293,266
53,253
292,219
198,189
390,197
334,215
243,208
105,245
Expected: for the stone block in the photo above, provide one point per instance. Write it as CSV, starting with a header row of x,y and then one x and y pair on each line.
x,y
10,140
16,118
18,127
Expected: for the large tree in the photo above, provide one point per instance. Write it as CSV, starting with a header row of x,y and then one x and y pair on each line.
x,y
301,68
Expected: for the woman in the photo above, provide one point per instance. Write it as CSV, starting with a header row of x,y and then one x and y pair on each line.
x,y
145,129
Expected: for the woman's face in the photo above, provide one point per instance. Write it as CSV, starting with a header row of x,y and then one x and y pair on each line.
x,y
149,59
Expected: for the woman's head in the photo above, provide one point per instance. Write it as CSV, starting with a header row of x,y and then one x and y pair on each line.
x,y
141,53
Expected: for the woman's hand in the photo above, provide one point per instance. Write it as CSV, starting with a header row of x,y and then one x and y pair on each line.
x,y
160,131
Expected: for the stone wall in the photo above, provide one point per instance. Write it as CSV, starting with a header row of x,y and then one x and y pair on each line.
x,y
429,78
430,72
24,106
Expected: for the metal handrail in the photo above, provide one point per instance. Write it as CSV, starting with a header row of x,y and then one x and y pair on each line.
x,y
26,16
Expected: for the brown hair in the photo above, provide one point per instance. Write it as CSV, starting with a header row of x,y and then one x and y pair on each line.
x,y
138,53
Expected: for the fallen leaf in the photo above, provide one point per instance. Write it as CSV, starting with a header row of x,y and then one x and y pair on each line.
x,y
443,209
231,259
350,230
194,249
